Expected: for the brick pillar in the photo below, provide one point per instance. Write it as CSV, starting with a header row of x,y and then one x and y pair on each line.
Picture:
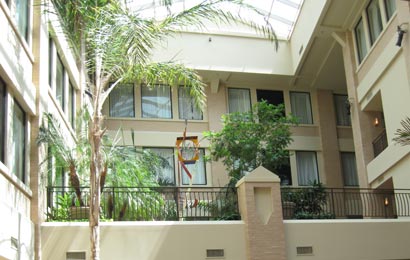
x,y
261,210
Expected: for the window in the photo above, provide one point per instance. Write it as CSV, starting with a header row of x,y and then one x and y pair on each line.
x,y
71,104
197,170
284,172
239,100
156,101
22,16
360,40
342,110
60,82
375,20
166,173
301,108
306,164
186,105
2,118
122,101
349,169
18,142
273,97
390,8
50,61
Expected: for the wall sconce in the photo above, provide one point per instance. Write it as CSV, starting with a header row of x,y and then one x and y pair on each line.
x,y
376,121
400,34
386,201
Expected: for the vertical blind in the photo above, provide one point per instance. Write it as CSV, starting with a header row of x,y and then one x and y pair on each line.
x,y
375,20
349,169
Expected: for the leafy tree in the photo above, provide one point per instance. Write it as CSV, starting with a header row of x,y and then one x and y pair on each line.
x,y
252,139
114,45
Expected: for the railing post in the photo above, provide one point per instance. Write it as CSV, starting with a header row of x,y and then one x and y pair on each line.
x,y
260,206
333,202
113,203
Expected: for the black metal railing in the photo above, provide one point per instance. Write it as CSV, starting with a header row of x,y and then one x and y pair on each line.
x,y
380,143
145,203
313,203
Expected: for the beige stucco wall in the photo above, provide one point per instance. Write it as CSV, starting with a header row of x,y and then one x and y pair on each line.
x,y
147,240
348,239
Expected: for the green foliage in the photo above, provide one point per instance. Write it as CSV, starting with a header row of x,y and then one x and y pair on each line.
x,y
403,134
252,139
307,203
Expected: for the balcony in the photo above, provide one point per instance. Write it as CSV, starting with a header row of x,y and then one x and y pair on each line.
x,y
344,203
145,204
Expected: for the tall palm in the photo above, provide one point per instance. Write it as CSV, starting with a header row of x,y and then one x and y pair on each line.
x,y
114,45
403,134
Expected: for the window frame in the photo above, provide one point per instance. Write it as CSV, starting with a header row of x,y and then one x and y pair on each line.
x,y
344,170
372,30
20,175
298,171
202,154
360,52
229,103
389,12
3,113
61,89
193,106
169,96
339,121
27,24
172,150
310,105
111,103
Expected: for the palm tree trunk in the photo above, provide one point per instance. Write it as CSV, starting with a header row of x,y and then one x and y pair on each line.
x,y
95,174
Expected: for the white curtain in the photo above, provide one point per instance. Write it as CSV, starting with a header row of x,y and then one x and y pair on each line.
x,y
156,101
239,100
375,20
197,171
341,106
349,169
122,101
306,164
167,172
301,108
18,142
186,105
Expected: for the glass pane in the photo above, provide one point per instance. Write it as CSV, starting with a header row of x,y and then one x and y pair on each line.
x,y
360,40
197,171
166,173
60,82
239,100
18,142
349,169
22,8
122,101
50,61
156,101
390,8
375,20
71,105
301,108
186,105
2,117
306,164
342,110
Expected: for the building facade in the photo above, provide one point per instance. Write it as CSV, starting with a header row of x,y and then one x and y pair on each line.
x,y
344,72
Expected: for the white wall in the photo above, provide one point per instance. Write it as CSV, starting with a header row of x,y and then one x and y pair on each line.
x,y
349,239
147,240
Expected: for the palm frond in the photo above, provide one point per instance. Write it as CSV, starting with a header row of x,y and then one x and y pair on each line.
x,y
403,134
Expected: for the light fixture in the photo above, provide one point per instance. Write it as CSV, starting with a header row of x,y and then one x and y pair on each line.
x,y
386,201
400,34
376,121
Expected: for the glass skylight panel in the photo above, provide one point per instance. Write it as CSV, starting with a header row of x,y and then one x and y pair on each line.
x,y
281,14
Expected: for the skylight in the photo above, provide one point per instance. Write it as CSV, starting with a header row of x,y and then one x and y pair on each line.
x,y
281,14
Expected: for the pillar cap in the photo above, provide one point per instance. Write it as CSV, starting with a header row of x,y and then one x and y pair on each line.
x,y
260,174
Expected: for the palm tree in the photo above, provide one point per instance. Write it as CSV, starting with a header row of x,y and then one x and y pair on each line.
x,y
403,134
114,44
